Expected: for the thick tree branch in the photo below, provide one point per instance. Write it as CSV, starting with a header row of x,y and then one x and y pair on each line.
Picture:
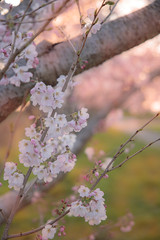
x,y
114,38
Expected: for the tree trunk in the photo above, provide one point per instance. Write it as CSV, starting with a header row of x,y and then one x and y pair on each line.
x,y
114,38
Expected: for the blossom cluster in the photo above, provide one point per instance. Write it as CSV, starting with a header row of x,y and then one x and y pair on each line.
x,y
52,155
15,179
50,230
47,149
18,73
89,21
95,18
90,206
101,163
47,97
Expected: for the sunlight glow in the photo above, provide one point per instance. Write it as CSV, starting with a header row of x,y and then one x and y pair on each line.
x,y
13,2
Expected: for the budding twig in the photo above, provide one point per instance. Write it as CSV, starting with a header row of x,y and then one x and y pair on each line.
x,y
118,153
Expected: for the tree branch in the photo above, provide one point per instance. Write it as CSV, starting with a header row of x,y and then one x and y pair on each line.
x,y
8,199
98,180
114,38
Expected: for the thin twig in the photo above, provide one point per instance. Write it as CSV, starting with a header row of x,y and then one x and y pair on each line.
x,y
38,8
80,14
30,13
24,22
19,25
39,228
111,11
67,38
133,155
119,152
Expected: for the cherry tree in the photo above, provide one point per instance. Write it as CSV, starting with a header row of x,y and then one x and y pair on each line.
x,y
32,66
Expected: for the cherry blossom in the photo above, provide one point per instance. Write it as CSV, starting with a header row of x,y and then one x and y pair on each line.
x,y
48,232
98,194
54,169
79,120
77,209
10,168
47,97
91,206
66,162
30,52
30,153
46,151
21,73
89,21
16,181
84,191
31,132
61,80
40,172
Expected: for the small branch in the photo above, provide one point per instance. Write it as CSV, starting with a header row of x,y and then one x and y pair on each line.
x,y
19,25
133,155
80,14
111,11
42,6
39,228
30,13
67,38
24,22
120,150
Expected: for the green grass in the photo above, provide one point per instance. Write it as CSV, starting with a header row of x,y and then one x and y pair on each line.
x,y
133,187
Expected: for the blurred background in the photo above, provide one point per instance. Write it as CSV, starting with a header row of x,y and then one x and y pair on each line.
x,y
129,85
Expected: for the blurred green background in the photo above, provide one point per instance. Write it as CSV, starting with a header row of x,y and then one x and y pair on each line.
x,y
134,188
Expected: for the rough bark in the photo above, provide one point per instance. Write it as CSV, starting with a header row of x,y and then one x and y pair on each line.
x,y
114,38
